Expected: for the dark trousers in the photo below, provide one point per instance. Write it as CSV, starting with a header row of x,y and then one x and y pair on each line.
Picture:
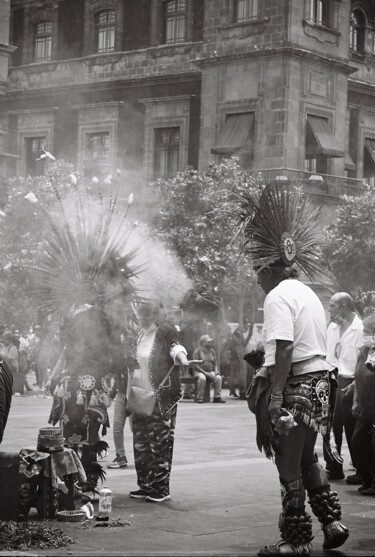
x,y
343,420
153,440
296,452
363,446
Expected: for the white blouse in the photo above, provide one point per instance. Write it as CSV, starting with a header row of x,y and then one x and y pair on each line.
x,y
145,345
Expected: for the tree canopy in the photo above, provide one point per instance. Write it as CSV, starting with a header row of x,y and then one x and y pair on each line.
x,y
23,226
349,245
198,219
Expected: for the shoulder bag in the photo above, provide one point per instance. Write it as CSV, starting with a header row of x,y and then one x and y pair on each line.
x,y
142,401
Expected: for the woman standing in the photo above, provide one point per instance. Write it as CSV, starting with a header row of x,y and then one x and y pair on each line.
x,y
158,349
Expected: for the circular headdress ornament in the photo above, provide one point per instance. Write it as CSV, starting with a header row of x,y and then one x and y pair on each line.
x,y
288,248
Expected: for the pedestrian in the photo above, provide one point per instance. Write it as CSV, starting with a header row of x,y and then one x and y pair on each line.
x,y
10,352
236,358
23,359
207,370
34,348
363,389
295,403
158,348
6,383
118,394
344,340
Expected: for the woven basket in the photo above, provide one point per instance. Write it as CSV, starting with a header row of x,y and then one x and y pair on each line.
x,y
51,431
50,439
71,516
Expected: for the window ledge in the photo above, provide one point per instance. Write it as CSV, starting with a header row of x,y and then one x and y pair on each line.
x,y
237,24
360,56
321,33
321,27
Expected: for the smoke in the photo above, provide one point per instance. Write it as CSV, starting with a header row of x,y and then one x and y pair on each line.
x,y
163,276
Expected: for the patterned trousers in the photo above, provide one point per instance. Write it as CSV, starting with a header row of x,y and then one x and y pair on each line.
x,y
153,439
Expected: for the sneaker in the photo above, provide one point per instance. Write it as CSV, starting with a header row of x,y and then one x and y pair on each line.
x,y
156,497
119,462
354,479
139,494
219,399
234,395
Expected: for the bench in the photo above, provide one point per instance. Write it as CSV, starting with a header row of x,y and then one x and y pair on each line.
x,y
187,379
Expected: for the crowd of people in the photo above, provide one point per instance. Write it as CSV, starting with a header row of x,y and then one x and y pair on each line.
x,y
34,349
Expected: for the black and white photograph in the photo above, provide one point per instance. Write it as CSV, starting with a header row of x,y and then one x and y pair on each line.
x,y
187,278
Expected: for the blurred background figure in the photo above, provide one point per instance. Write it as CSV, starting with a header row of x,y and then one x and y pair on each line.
x,y
207,370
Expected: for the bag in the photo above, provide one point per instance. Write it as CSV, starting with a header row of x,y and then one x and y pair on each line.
x,y
141,401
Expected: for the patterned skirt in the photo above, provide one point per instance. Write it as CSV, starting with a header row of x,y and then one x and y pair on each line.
x,y
311,398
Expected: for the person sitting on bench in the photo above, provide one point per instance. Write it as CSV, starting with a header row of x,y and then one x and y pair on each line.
x,y
207,369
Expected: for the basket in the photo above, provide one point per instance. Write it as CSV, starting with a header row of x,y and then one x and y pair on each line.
x,y
71,516
51,431
50,439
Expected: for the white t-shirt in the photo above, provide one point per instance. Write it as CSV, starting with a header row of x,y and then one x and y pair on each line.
x,y
292,311
342,352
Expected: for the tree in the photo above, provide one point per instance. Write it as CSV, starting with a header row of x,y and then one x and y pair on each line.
x,y
198,219
349,244
23,225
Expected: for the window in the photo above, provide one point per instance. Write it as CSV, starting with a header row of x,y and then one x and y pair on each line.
x,y
357,31
34,146
105,31
174,21
369,159
320,145
166,152
97,147
320,12
237,138
43,41
245,10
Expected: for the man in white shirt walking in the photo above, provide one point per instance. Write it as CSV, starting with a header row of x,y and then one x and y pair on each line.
x,y
344,339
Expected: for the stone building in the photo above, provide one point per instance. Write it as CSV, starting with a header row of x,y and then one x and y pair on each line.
x,y
149,86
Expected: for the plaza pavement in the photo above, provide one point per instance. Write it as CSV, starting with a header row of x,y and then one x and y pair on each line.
x,y
225,493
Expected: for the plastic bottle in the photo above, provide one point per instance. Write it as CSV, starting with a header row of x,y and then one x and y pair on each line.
x,y
105,502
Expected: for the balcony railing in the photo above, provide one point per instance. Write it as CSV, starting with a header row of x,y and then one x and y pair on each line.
x,y
314,183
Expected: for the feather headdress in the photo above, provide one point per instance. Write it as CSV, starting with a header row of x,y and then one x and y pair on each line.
x,y
85,260
278,225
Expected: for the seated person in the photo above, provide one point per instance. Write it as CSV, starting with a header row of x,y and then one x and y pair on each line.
x,y
207,369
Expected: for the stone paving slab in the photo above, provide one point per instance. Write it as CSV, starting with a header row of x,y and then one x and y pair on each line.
x,y
225,494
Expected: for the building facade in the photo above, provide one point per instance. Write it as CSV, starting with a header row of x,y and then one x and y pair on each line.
x,y
150,86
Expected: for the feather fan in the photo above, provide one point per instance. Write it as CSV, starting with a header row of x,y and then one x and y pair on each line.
x,y
85,260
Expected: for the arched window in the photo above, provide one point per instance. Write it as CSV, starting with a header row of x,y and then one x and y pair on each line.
x,y
357,31
43,41
105,31
174,21
245,10
320,12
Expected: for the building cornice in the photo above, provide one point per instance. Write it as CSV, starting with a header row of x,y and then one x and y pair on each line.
x,y
290,51
358,86
89,87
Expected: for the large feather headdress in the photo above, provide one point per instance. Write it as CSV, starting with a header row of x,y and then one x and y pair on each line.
x,y
279,228
85,260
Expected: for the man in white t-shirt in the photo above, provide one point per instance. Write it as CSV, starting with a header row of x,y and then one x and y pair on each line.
x,y
344,339
294,338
